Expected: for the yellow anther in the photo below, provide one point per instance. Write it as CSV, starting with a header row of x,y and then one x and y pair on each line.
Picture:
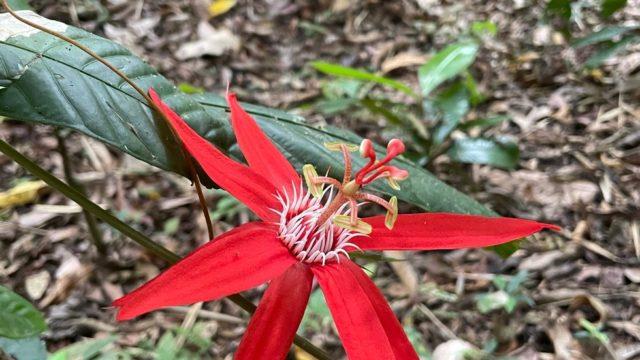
x,y
392,215
393,183
337,146
310,175
344,221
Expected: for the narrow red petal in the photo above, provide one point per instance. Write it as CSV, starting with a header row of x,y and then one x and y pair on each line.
x,y
361,331
238,179
274,324
261,154
437,231
240,259
401,345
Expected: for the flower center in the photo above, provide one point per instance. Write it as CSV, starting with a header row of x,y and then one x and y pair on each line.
x,y
318,224
300,230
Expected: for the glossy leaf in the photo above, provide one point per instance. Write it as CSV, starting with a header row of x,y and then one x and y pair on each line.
x,y
18,318
502,154
357,74
446,64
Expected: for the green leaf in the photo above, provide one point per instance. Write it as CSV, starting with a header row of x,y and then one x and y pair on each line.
x,y
304,144
166,348
453,104
484,28
45,80
83,350
609,7
446,64
18,318
19,4
31,348
484,123
560,7
190,89
492,301
357,74
418,341
317,314
606,34
501,154
608,51
594,331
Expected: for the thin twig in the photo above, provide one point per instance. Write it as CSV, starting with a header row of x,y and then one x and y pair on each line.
x,y
92,224
446,332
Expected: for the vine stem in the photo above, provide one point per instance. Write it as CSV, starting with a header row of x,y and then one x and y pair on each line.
x,y
132,233
104,215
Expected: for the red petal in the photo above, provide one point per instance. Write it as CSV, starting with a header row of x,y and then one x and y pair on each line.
x,y
243,183
436,231
402,348
273,326
240,259
361,330
263,157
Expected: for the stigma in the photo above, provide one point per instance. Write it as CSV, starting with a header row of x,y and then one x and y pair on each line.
x,y
349,191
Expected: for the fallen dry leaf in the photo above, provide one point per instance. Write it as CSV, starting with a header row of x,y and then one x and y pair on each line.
x,y
401,60
219,7
211,41
23,193
36,284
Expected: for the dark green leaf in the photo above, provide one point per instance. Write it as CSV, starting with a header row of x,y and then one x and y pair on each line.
x,y
446,64
357,74
51,82
608,51
18,318
484,123
485,151
453,104
31,348
606,34
303,144
611,6
560,7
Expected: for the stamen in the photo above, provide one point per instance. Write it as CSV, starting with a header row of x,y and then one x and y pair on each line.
x,y
318,225
310,175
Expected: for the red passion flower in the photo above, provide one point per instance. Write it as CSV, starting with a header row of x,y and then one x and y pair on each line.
x,y
307,230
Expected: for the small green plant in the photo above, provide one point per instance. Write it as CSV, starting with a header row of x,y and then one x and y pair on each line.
x,y
508,295
448,91
603,43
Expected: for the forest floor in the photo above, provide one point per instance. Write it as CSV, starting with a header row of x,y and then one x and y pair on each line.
x,y
577,291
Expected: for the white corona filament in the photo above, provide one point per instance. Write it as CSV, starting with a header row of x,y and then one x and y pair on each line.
x,y
299,231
